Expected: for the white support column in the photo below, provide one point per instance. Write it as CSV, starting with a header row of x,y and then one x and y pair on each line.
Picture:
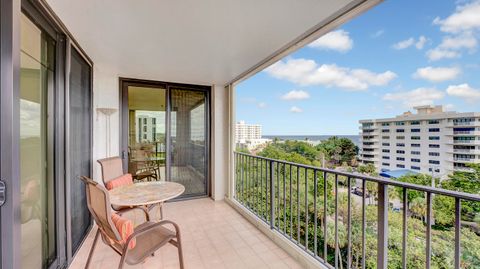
x,y
219,142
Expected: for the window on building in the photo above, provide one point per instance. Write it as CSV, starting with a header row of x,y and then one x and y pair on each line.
x,y
415,137
385,164
400,166
400,137
400,144
415,130
414,167
400,159
416,122
400,130
386,144
399,123
434,154
385,123
433,146
401,151
415,145
433,122
434,130
434,138
433,162
386,150
385,131
386,157
415,152
385,137
415,160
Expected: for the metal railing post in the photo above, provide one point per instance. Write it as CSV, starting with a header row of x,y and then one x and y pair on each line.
x,y
272,196
382,219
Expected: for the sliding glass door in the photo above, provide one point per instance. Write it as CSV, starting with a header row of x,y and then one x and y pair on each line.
x,y
37,73
188,136
165,133
79,146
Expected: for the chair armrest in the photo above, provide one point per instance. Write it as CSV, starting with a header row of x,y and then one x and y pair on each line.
x,y
149,227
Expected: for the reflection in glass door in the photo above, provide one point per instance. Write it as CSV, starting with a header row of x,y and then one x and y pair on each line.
x,y
146,133
188,132
36,144
165,133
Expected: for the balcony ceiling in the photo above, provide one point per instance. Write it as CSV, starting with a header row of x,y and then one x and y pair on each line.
x,y
190,41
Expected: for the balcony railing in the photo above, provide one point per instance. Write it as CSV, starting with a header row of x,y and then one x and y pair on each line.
x,y
335,216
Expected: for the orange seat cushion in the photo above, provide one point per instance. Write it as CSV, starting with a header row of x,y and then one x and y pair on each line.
x,y
125,229
119,181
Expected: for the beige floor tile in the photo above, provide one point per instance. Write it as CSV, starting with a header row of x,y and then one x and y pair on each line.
x,y
214,236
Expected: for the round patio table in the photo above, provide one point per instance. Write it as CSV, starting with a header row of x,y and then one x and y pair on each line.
x,y
145,193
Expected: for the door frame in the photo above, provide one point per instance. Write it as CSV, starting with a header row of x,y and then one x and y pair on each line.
x,y
124,83
10,222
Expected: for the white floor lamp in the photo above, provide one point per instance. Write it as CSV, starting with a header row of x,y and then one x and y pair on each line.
x,y
107,112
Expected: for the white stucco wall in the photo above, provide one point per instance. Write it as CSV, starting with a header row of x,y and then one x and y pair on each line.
x,y
219,168
105,95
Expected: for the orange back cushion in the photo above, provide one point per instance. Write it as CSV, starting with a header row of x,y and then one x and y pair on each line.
x,y
125,229
119,181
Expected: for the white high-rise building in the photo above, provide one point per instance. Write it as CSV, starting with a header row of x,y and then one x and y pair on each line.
x,y
430,141
249,136
244,131
146,129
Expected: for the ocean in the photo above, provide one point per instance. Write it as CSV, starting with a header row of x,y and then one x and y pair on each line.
x,y
314,138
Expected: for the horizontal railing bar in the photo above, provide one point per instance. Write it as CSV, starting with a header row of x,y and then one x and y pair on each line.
x,y
427,189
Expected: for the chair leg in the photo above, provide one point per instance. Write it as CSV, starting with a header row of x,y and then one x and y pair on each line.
x,y
180,250
160,205
92,249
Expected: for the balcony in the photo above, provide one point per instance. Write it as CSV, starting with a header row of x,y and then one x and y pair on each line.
x,y
465,142
322,213
463,159
214,235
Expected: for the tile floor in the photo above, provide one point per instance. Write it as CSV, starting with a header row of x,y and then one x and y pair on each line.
x,y
214,235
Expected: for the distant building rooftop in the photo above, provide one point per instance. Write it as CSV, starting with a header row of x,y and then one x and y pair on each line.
x,y
426,112
397,173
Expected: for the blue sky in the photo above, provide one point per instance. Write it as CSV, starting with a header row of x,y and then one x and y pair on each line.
x,y
399,54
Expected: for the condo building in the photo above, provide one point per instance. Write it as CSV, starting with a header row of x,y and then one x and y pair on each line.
x,y
429,141
244,131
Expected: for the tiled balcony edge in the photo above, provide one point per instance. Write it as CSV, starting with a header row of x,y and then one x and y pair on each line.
x,y
298,254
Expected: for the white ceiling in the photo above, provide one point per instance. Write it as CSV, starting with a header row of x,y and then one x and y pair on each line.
x,y
190,41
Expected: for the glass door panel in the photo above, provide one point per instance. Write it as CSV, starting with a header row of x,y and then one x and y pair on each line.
x,y
146,133
36,144
80,145
188,129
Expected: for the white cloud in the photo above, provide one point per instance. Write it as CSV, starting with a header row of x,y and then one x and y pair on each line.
x,y
262,105
421,42
465,18
378,33
416,97
418,43
296,95
465,92
438,54
308,72
295,109
437,74
404,44
466,40
452,45
338,40
449,107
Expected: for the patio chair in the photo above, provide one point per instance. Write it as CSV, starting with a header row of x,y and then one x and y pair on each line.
x,y
136,247
112,168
